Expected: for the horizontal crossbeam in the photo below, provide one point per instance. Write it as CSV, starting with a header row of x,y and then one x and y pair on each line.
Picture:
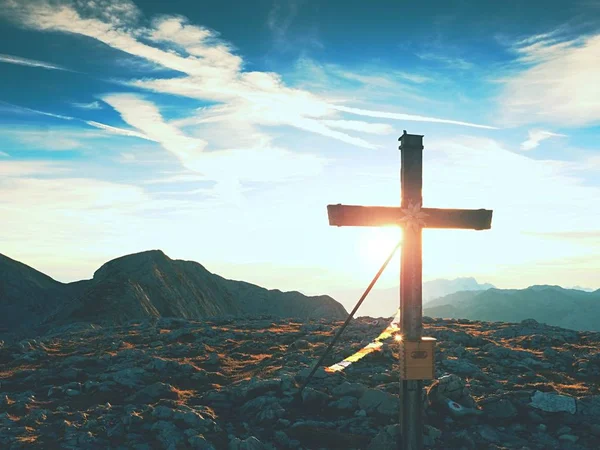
x,y
374,216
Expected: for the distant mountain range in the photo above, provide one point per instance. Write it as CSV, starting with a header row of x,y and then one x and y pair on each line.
x,y
151,285
142,286
553,305
384,302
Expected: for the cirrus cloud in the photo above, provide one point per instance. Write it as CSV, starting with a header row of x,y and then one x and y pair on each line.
x,y
557,82
210,70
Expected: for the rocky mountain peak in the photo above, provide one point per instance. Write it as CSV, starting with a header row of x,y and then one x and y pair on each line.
x,y
133,263
141,286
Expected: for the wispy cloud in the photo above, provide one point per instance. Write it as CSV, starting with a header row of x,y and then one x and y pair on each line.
x,y
119,131
22,109
91,105
447,60
413,77
593,236
10,59
146,117
280,18
108,128
212,71
555,82
411,117
185,177
363,127
3,154
537,136
235,132
15,169
259,164
51,139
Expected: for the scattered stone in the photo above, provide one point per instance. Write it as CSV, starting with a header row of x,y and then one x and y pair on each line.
x,y
145,387
488,433
155,392
345,404
553,402
589,406
595,429
386,439
568,438
500,409
312,397
352,389
375,401
461,367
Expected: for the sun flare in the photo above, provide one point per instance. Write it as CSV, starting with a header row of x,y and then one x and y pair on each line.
x,y
377,244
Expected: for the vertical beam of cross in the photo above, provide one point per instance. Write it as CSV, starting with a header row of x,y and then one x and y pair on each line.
x,y
411,181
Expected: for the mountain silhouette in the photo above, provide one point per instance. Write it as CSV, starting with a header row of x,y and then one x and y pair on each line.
x,y
553,305
384,302
27,295
142,286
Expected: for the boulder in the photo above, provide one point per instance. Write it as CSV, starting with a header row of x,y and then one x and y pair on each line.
x,y
549,402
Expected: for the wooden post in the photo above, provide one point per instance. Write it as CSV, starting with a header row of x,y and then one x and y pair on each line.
x,y
411,180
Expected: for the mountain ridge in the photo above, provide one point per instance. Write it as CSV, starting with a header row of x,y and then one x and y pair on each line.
x,y
550,304
384,302
140,286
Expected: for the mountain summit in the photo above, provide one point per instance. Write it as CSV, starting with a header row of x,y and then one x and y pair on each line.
x,y
142,286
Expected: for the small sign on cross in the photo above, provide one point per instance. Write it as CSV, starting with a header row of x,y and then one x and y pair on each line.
x,y
412,217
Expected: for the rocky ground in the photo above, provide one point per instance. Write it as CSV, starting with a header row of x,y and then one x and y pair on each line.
x,y
230,384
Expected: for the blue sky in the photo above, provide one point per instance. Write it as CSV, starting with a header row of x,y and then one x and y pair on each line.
x,y
219,131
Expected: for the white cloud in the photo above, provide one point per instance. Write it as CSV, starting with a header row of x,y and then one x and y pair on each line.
x,y
413,77
30,168
3,154
10,59
212,71
279,21
91,105
378,80
363,127
119,131
375,82
388,79
529,195
556,83
450,61
46,139
226,166
22,109
127,157
411,117
57,213
184,177
537,136
146,117
64,138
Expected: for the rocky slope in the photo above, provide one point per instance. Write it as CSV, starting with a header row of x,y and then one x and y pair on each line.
x,y
142,286
553,305
27,295
230,384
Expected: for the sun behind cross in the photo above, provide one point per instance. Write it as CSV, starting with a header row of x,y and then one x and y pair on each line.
x,y
377,243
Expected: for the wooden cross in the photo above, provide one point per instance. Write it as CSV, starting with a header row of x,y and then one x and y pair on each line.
x,y
413,218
